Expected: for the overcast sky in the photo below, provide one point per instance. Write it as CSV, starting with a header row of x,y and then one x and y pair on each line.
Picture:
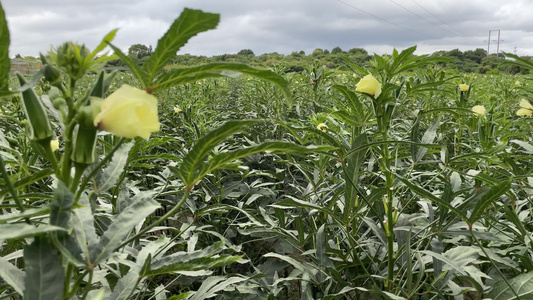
x,y
279,26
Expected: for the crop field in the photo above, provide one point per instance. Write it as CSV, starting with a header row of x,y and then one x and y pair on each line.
x,y
397,179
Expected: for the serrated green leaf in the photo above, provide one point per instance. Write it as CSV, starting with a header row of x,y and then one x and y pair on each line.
x,y
430,196
188,24
517,61
351,171
521,285
82,221
191,261
60,205
29,179
12,276
322,257
214,284
222,159
203,263
487,199
195,158
526,147
306,270
32,212
122,224
20,230
180,296
290,201
217,207
125,286
5,62
45,275
428,138
104,43
134,68
193,74
111,173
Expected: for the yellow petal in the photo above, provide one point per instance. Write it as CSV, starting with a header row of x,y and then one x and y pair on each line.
x,y
524,112
323,127
54,144
525,104
464,87
479,109
369,85
128,112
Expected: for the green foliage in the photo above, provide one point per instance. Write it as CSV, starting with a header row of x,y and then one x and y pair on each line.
x,y
139,51
410,195
5,62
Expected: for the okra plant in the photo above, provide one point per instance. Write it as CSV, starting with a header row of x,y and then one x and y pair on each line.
x,y
85,236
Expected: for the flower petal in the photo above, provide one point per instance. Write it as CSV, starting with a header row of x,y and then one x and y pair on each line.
x,y
524,112
525,104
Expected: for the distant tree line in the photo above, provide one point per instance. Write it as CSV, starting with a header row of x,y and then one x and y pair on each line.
x,y
468,61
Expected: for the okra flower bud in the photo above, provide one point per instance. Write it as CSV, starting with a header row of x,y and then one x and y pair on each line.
x,y
39,126
70,57
84,145
51,73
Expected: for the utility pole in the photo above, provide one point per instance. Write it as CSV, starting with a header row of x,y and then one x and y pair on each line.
x,y
488,46
514,50
498,42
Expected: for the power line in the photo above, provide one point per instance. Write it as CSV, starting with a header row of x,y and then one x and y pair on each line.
x,y
444,22
382,19
412,12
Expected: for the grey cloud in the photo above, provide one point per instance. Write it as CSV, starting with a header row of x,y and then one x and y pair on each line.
x,y
279,26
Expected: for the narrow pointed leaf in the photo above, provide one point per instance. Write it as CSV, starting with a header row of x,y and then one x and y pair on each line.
x,y
82,221
214,284
193,74
139,73
12,275
430,196
220,160
20,230
351,172
5,62
125,286
111,173
290,201
521,285
32,212
45,275
194,159
104,43
204,263
488,198
188,261
188,24
122,224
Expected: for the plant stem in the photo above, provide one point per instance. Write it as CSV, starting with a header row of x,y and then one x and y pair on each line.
x,y
88,287
10,185
66,284
157,222
97,168
492,262
389,182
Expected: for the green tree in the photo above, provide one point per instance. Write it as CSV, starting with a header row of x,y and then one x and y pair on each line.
x,y
358,51
337,50
475,55
246,52
139,51
317,52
